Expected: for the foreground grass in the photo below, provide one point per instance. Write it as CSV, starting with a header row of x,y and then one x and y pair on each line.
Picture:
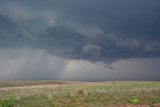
x,y
82,94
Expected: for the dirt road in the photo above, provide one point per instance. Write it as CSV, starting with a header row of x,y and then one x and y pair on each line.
x,y
29,87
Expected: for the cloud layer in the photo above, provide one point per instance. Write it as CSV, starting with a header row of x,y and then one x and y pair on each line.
x,y
90,30
65,27
24,64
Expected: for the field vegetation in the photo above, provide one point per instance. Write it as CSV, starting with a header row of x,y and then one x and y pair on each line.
x,y
81,94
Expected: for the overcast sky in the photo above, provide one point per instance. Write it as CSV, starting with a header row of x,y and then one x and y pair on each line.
x,y
89,40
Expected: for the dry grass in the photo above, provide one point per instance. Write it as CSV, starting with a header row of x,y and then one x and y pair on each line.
x,y
128,94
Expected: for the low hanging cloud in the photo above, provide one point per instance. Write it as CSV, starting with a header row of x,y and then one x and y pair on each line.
x,y
31,64
78,33
92,49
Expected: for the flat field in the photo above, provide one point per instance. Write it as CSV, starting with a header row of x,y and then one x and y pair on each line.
x,y
79,94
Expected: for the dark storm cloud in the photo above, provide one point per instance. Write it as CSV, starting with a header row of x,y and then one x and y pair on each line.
x,y
104,30
37,64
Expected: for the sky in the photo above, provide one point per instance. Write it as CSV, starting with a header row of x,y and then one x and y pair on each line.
x,y
83,40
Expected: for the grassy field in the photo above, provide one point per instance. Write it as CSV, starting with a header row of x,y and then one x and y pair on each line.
x,y
81,94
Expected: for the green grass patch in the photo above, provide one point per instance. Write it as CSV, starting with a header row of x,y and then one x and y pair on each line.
x,y
7,103
134,100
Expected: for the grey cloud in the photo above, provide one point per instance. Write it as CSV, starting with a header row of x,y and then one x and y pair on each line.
x,y
32,64
134,43
151,46
92,49
126,69
121,29
125,43
33,22
24,64
30,23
